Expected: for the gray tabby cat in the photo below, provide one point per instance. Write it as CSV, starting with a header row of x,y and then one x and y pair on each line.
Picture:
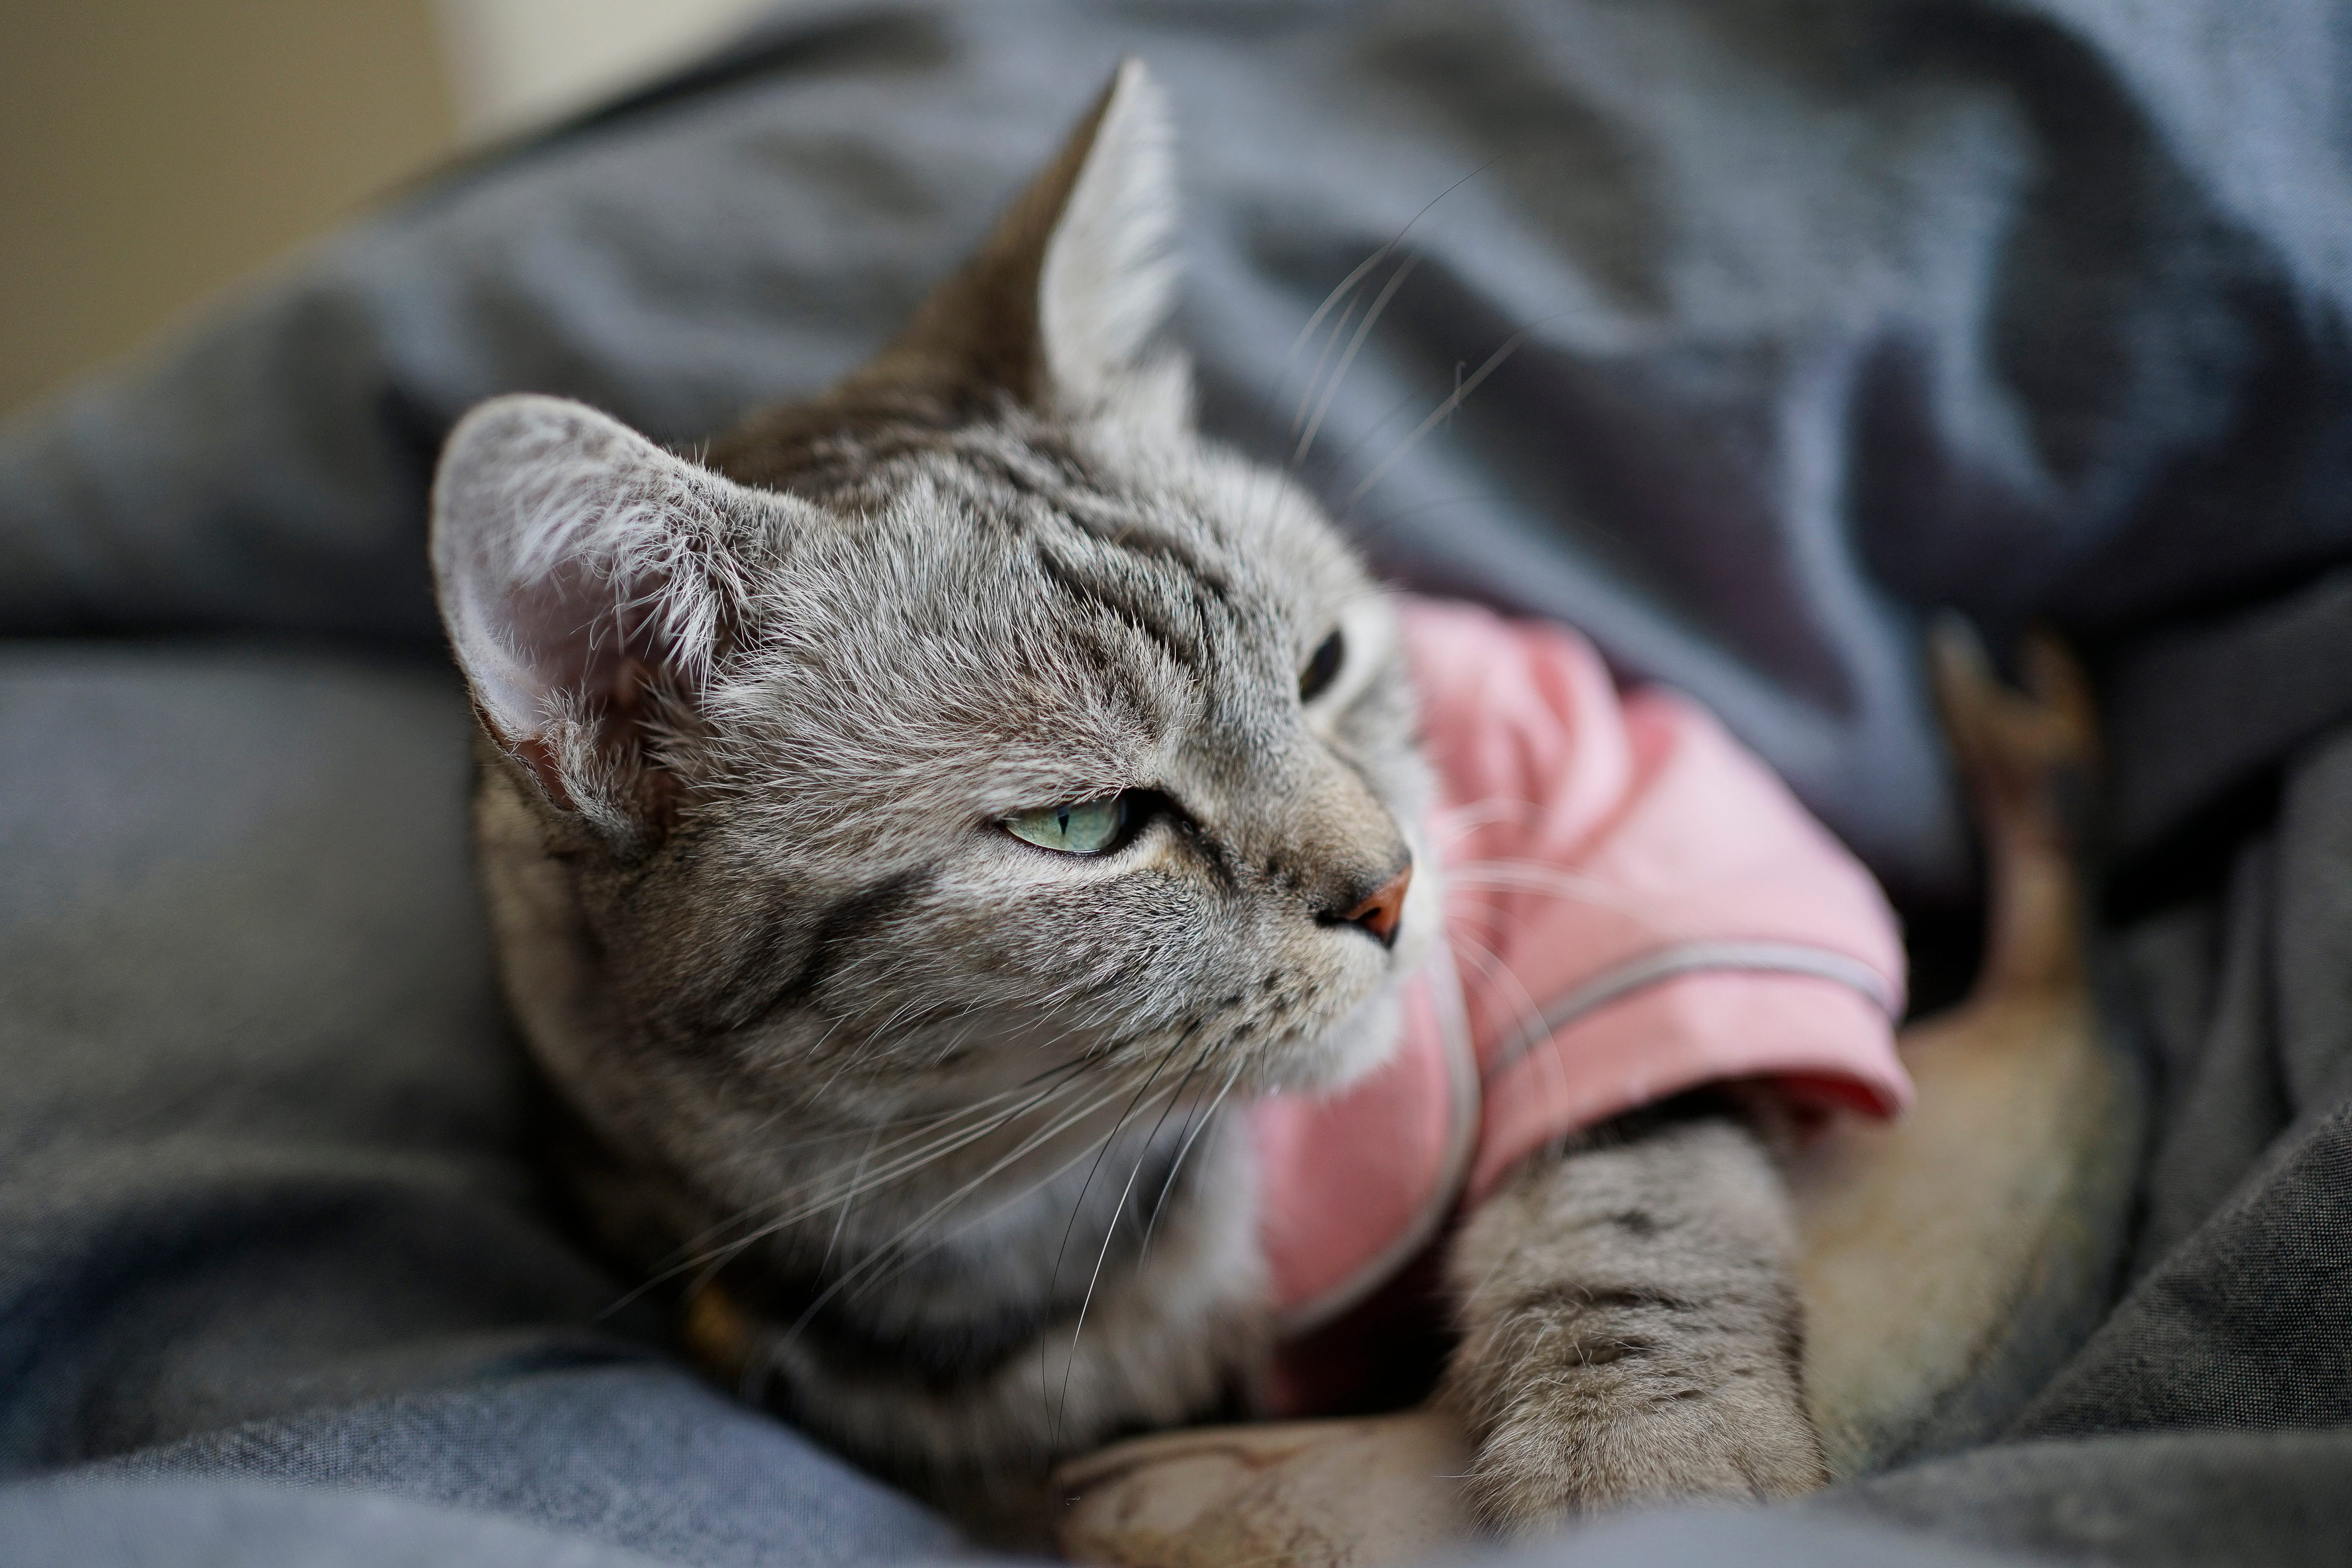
x,y
905,827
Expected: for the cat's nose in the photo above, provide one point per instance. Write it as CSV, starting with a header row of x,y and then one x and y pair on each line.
x,y
1383,910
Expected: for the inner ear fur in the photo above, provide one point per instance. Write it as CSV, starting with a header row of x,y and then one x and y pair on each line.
x,y
1056,307
588,580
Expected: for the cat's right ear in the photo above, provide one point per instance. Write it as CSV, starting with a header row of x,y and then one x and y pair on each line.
x,y
587,583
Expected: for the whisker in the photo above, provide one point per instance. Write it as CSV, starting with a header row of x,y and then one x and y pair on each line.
x,y
943,1236
842,1220
1437,416
1078,1203
885,1252
1382,254
1345,288
920,1127
718,1255
931,1153
1339,375
1315,376
1420,390
1532,1029
1499,976
1110,1231
905,1259
878,1255
1459,822
1193,1132
1557,882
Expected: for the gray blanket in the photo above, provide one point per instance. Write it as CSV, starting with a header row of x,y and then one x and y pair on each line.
x,y
1821,314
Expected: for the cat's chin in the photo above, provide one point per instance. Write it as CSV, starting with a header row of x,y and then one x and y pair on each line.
x,y
1353,1049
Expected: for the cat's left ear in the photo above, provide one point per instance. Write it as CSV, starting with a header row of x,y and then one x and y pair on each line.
x,y
588,580
1059,304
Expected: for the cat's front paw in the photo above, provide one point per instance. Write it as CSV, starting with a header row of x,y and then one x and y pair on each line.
x,y
1740,1441
1310,1494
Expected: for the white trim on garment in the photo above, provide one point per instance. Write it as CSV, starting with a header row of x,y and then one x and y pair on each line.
x,y
1693,958
1445,983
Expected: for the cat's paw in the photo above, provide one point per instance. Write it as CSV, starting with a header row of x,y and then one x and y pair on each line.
x,y
1310,1494
1742,1441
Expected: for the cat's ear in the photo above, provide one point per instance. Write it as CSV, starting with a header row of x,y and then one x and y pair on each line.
x,y
585,580
1059,302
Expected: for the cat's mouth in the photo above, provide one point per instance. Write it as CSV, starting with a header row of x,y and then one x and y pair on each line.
x,y
1363,1036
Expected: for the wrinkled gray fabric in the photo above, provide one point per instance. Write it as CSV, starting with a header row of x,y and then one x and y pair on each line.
x,y
84,1524
2242,1274
267,1208
639,1457
2167,1500
1831,313
105,1525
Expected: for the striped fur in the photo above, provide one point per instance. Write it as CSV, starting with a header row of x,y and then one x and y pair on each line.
x,y
922,1116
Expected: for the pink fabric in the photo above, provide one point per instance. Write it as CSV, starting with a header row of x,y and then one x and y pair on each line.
x,y
1590,839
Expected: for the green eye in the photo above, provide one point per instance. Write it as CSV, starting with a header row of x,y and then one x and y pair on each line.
x,y
1088,827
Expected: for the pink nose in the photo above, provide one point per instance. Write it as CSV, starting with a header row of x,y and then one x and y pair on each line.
x,y
1381,913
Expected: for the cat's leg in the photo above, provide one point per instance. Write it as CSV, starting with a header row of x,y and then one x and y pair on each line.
x,y
1630,1326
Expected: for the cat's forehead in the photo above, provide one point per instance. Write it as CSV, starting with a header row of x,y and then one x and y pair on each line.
x,y
1044,615
1172,519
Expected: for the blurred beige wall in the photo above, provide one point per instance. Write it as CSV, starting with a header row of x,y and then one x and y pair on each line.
x,y
152,151
514,64
157,149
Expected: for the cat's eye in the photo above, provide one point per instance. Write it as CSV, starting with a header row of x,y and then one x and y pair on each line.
x,y
1087,827
1322,666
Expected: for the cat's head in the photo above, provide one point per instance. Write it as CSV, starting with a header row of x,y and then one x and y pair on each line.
x,y
969,718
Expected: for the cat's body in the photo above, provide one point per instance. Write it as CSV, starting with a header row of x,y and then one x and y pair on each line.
x,y
931,1105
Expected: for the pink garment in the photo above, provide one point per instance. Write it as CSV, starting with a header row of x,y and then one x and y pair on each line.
x,y
1636,906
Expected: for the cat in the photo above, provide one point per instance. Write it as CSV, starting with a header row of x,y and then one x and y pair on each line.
x,y
914,826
